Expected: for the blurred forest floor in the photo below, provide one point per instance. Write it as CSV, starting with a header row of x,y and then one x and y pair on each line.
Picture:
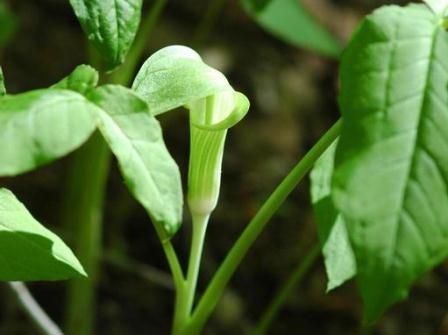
x,y
294,100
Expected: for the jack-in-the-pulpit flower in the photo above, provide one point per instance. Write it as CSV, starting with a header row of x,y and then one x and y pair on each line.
x,y
210,118
176,76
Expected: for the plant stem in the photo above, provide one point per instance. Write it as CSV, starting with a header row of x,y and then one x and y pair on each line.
x,y
207,22
84,210
286,291
126,71
87,183
33,309
200,223
174,264
186,294
236,254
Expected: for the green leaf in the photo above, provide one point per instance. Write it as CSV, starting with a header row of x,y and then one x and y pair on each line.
x,y
2,83
135,137
339,259
29,251
40,126
438,6
391,170
176,76
111,25
83,79
289,21
8,24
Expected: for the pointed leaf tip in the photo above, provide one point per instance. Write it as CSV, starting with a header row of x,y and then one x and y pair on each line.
x,y
29,251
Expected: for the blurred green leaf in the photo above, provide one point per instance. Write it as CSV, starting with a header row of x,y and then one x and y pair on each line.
x,y
83,79
111,25
40,126
391,169
289,21
29,251
339,260
135,137
8,24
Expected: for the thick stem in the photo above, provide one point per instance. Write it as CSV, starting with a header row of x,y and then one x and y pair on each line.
x,y
187,292
236,254
84,201
286,291
208,21
33,309
84,211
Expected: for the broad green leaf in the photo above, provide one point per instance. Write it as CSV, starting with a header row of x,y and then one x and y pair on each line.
x,y
8,24
339,260
40,126
111,25
2,83
29,251
391,169
135,137
438,6
81,80
176,76
289,21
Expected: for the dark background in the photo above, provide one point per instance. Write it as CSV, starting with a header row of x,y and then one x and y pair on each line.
x,y
293,94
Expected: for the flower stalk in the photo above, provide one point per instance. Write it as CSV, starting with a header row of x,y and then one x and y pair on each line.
x,y
210,117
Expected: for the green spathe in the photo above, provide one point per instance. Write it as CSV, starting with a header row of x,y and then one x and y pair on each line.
x,y
438,6
29,251
176,76
209,120
391,167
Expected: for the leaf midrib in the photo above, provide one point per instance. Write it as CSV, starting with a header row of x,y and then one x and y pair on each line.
x,y
21,114
416,145
137,153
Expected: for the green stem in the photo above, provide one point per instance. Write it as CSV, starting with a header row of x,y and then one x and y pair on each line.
x,y
286,291
200,223
174,264
222,277
207,22
85,195
126,71
84,209
186,294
